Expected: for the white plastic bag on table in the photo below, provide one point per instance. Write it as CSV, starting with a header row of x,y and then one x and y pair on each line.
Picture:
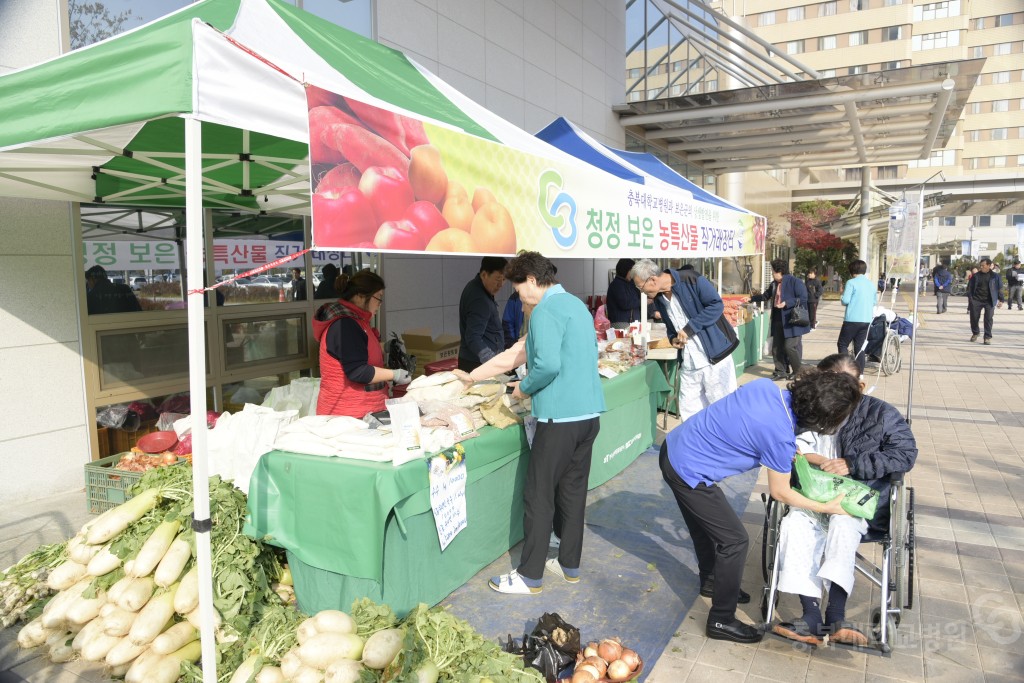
x,y
238,440
301,395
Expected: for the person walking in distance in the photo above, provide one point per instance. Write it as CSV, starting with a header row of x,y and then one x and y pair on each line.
x,y
984,295
1015,282
943,280
783,294
859,299
814,292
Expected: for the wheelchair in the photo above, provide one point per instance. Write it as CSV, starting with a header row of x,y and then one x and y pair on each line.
x,y
884,346
894,576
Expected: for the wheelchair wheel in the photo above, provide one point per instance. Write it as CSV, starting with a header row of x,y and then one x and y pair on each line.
x,y
891,358
774,511
911,548
898,552
890,631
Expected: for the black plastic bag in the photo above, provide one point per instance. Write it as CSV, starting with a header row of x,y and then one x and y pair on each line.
x,y
397,357
551,648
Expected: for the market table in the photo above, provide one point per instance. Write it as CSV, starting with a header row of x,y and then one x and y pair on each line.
x,y
355,528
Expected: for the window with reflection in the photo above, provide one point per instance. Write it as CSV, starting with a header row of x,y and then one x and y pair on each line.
x,y
142,356
264,340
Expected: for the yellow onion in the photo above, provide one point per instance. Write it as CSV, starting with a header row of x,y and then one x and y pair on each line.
x,y
609,650
590,650
598,664
619,671
589,668
631,658
582,677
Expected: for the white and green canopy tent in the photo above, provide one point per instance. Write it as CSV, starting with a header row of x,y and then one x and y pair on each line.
x,y
206,108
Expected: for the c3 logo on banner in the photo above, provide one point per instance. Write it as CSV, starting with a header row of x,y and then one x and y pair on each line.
x,y
559,213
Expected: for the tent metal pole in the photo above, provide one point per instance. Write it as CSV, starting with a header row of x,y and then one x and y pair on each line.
x,y
194,231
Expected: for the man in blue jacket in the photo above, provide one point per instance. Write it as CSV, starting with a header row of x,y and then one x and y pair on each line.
x,y
984,293
943,280
692,310
567,400
783,295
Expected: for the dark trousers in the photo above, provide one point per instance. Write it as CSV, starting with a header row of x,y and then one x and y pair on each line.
x,y
785,350
941,299
467,365
975,308
556,479
856,333
719,539
812,313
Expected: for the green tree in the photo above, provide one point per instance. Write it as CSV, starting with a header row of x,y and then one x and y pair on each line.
x,y
91,22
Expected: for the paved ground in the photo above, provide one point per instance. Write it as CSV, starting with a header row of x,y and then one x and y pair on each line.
x,y
966,624
967,621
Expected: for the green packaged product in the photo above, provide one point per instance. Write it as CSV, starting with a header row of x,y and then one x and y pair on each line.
x,y
859,499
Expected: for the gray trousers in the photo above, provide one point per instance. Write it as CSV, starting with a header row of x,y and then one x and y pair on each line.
x,y
1015,297
940,301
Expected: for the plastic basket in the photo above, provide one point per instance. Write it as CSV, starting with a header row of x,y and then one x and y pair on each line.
x,y
106,487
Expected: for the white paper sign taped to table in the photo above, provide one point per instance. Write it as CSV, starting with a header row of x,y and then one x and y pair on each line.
x,y
448,497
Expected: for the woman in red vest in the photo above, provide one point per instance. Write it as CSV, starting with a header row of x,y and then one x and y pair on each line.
x,y
353,379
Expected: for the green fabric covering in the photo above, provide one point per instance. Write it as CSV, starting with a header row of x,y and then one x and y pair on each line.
x,y
356,528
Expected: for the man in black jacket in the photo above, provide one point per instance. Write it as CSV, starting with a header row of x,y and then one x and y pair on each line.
x,y
103,296
814,291
783,294
1015,285
984,293
623,304
479,320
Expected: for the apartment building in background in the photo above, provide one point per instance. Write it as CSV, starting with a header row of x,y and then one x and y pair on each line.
x,y
839,38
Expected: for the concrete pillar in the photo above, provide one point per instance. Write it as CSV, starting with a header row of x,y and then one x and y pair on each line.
x,y
865,209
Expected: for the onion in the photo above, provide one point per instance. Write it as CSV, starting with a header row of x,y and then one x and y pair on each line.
x,y
598,664
609,650
590,650
587,668
582,677
631,658
619,670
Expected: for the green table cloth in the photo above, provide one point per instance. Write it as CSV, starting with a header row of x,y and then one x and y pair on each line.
x,y
354,528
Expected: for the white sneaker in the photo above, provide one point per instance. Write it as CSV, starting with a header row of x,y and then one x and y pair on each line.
x,y
555,541
555,568
512,584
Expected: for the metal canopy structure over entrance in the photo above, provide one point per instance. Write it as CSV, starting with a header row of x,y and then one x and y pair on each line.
x,y
863,119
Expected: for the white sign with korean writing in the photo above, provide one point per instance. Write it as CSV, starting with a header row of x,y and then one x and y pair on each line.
x,y
448,497
228,254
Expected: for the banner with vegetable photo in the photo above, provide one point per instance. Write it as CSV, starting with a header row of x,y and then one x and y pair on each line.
x,y
386,182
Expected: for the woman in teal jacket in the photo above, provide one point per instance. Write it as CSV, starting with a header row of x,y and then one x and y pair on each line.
x,y
562,381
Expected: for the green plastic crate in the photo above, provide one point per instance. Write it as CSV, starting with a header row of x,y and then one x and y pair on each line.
x,y
106,487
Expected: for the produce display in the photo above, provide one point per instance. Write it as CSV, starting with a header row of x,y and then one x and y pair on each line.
x,y
607,660
24,584
137,461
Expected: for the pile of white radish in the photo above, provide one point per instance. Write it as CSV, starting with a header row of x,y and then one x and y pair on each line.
x,y
144,625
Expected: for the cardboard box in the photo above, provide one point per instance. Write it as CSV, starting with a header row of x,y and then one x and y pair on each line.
x,y
662,343
421,343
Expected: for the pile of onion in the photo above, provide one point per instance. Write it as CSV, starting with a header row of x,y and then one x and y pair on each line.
x,y
607,660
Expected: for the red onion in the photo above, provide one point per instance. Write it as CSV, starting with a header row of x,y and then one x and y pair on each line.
x,y
631,658
619,670
609,650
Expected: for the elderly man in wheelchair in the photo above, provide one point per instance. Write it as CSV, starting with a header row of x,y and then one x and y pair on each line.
x,y
815,552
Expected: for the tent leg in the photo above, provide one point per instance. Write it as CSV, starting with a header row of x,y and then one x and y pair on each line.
x,y
194,241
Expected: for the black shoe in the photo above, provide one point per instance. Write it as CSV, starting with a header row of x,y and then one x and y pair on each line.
x,y
776,376
735,630
707,590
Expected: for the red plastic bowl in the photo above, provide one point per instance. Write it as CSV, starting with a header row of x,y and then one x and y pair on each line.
x,y
157,442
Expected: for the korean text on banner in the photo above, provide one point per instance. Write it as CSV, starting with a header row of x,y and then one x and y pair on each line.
x,y
389,182
228,254
448,497
904,233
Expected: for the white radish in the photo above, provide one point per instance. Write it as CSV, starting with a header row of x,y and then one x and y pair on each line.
x,y
168,667
290,663
270,674
91,629
194,618
81,552
118,671
128,568
154,548
324,648
118,622
137,594
84,610
246,670
60,635
115,591
121,517
32,634
55,613
139,670
174,638
306,630
60,648
96,648
125,651
382,647
103,562
108,607
343,671
65,576
153,617
333,621
307,674
187,597
173,563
